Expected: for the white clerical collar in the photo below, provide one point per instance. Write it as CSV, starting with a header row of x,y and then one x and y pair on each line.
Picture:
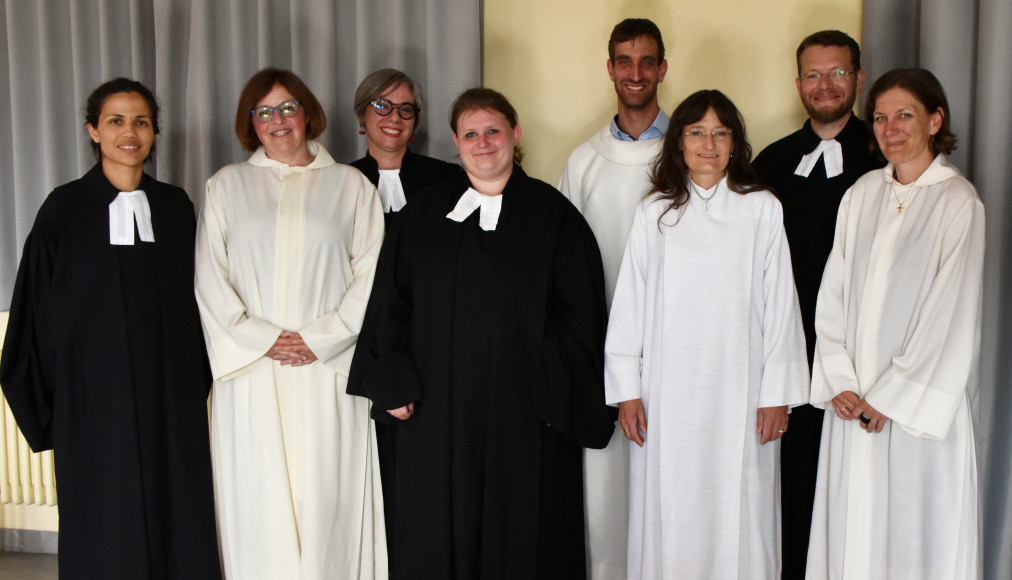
x,y
391,190
127,206
491,206
832,154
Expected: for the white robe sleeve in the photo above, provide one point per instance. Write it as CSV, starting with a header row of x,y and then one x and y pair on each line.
x,y
332,337
623,351
833,369
569,185
234,339
924,386
785,369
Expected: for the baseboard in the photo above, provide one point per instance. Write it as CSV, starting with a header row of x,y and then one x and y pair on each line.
x,y
34,541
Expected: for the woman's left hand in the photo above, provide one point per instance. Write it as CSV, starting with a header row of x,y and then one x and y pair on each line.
x,y
876,420
291,343
771,422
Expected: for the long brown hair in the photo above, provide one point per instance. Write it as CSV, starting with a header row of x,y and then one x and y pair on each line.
x,y
669,174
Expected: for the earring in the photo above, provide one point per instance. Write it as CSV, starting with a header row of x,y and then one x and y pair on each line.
x,y
411,140
361,131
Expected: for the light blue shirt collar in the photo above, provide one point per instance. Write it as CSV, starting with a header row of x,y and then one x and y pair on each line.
x,y
656,130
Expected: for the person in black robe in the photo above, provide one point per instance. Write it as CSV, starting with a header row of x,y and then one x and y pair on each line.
x,y
388,104
811,198
484,341
104,359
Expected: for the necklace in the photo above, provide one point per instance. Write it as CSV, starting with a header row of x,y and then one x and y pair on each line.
x,y
892,188
706,200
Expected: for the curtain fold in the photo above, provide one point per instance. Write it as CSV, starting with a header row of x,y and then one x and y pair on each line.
x,y
196,55
968,47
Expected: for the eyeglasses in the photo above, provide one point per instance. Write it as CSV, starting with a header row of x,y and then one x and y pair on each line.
x,y
833,76
265,113
384,107
702,134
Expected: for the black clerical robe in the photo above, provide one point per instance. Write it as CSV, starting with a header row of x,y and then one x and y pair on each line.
x,y
498,338
810,207
417,173
104,363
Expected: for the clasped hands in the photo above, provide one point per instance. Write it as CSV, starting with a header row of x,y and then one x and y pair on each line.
x,y
849,406
771,422
290,349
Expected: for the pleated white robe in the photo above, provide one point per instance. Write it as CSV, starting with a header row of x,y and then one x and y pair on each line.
x,y
898,323
705,329
606,178
296,472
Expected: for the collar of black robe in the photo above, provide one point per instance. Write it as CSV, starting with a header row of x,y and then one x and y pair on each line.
x,y
513,192
855,132
370,168
100,184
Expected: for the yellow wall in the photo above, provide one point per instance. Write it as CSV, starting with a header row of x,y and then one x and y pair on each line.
x,y
549,56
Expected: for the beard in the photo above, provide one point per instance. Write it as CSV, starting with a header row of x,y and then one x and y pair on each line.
x,y
825,116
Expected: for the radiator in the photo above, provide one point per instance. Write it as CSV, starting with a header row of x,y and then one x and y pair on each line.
x,y
25,477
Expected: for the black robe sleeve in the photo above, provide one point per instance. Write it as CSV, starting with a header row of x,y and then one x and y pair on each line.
x,y
28,390
570,395
382,369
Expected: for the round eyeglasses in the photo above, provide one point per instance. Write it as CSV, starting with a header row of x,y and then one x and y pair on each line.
x,y
384,107
266,113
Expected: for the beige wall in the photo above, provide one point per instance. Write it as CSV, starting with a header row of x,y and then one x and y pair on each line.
x,y
549,56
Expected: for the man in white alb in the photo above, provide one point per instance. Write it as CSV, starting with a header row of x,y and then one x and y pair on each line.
x,y
605,178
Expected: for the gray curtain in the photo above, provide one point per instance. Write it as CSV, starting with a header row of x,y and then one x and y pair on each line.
x,y
968,46
196,55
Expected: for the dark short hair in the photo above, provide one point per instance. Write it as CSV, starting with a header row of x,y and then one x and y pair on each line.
x,y
98,97
925,88
258,86
379,82
482,99
831,38
669,174
631,29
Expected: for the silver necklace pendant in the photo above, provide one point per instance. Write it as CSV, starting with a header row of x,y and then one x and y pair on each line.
x,y
706,205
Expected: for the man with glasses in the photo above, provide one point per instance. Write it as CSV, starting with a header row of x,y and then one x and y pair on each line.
x,y
605,178
809,171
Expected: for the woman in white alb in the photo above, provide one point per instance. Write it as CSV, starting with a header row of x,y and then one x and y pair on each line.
x,y
704,354
898,324
286,253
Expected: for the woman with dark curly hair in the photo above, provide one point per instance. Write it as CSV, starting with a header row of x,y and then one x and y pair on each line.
x,y
898,325
705,347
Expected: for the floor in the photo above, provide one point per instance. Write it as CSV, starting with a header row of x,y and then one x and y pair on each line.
x,y
27,566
